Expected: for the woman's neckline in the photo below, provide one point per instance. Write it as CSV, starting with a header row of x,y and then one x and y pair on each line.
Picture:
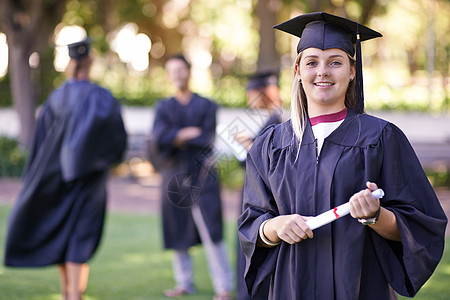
x,y
329,118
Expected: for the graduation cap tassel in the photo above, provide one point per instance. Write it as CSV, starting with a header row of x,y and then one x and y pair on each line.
x,y
359,107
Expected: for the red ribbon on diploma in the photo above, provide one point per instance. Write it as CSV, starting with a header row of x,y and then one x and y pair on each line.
x,y
335,213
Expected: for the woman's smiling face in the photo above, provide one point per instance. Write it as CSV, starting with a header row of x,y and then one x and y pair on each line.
x,y
325,77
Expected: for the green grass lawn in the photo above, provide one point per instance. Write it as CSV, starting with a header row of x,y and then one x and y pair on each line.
x,y
131,265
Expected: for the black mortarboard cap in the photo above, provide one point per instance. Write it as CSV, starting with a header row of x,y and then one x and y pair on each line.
x,y
260,80
325,31
80,49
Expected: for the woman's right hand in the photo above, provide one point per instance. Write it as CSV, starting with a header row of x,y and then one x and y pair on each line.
x,y
289,228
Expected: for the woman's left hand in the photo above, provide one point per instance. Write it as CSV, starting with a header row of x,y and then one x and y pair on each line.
x,y
363,205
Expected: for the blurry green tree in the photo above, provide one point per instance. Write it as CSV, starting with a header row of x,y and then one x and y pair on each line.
x,y
226,40
28,26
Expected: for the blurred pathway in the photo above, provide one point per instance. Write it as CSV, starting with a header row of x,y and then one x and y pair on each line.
x,y
129,195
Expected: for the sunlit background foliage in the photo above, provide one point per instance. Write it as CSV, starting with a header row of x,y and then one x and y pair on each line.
x,y
406,69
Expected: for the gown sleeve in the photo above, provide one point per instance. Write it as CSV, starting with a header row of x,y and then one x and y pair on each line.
x,y
43,123
259,205
164,132
408,264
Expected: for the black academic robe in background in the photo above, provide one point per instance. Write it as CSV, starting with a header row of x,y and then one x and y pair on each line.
x,y
59,214
188,175
242,292
345,260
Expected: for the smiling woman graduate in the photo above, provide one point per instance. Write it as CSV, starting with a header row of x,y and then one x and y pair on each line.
x,y
329,152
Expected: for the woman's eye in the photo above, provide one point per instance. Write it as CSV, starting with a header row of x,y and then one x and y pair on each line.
x,y
336,63
311,63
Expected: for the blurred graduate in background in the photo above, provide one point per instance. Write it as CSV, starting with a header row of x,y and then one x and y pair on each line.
x,y
263,94
182,151
59,215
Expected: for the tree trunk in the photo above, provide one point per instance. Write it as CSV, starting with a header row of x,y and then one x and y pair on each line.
x,y
27,25
430,49
268,58
22,87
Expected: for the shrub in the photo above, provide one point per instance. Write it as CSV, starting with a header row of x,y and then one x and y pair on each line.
x,y
12,158
231,172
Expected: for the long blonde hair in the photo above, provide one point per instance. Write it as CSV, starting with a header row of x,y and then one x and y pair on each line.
x,y
299,103
79,68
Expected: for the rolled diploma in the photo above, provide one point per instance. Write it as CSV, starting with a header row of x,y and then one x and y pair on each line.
x,y
336,213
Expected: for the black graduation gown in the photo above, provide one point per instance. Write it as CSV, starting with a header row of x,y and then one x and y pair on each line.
x,y
187,177
59,214
345,260
242,292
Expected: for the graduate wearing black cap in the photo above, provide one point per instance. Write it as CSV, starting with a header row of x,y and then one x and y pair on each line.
x,y
59,215
263,94
329,152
